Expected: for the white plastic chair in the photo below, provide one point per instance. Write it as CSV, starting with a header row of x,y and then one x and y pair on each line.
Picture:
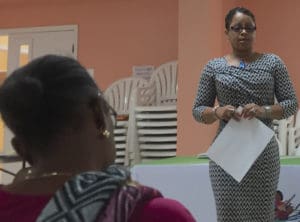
x,y
297,119
156,130
165,79
294,137
294,141
281,128
118,95
152,129
120,134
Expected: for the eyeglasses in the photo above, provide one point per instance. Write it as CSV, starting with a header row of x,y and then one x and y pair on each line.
x,y
238,28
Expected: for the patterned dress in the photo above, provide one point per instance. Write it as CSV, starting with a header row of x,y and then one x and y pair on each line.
x,y
251,200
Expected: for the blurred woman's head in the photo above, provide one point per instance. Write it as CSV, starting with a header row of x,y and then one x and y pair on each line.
x,y
53,100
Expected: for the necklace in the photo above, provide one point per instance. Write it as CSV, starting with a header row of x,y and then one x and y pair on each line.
x,y
31,176
242,64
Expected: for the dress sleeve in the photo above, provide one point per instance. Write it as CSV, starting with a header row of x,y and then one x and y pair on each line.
x,y
206,93
284,90
162,209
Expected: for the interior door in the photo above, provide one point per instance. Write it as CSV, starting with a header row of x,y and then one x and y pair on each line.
x,y
39,44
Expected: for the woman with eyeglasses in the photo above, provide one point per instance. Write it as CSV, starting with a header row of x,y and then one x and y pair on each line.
x,y
251,80
63,129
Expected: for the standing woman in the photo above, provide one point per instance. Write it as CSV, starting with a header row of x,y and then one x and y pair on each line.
x,y
252,80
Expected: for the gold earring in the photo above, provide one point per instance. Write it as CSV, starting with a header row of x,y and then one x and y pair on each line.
x,y
105,133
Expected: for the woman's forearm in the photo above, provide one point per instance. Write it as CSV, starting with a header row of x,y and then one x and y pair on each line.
x,y
276,112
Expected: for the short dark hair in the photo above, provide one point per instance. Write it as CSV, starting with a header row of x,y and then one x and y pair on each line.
x,y
45,96
232,12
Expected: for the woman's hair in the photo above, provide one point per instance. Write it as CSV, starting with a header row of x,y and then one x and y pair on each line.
x,y
232,12
45,96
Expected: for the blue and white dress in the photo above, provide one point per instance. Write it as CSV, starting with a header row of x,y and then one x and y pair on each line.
x,y
251,200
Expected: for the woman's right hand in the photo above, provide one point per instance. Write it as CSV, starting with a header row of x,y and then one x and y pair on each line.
x,y
227,112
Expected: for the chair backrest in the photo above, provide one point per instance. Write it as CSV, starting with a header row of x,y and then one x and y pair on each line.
x,y
156,133
294,137
294,141
165,79
118,94
146,95
120,137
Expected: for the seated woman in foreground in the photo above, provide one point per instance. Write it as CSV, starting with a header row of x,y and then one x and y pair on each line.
x,y
63,128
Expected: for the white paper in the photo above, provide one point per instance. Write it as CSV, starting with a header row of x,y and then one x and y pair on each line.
x,y
238,145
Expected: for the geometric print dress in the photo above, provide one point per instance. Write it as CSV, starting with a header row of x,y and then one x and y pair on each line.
x,y
251,200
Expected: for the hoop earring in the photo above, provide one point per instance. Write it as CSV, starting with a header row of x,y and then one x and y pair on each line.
x,y
105,133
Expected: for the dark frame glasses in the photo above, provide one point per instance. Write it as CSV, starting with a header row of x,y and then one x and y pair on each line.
x,y
239,28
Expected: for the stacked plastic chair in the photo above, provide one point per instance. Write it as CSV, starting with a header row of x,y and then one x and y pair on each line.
x,y
153,118
118,96
281,128
165,80
156,128
294,137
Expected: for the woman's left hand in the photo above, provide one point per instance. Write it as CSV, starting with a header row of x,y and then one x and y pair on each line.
x,y
252,110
